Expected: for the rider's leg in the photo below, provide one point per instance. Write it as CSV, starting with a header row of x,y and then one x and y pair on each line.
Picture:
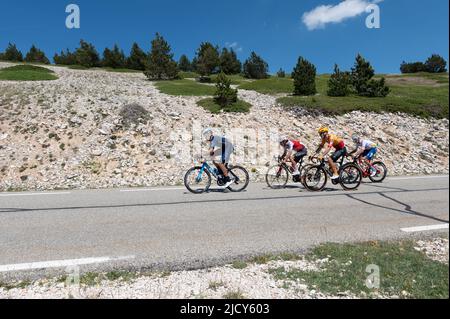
x,y
333,167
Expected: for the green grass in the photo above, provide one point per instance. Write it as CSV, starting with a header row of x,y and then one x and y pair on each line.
x,y
402,269
211,106
236,79
121,70
186,75
185,88
272,85
26,72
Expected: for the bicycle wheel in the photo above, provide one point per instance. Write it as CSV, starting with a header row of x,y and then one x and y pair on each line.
x,y
241,179
381,172
196,183
277,177
350,176
315,178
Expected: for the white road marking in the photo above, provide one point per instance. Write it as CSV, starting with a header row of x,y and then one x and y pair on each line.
x,y
424,228
151,189
416,177
60,263
34,194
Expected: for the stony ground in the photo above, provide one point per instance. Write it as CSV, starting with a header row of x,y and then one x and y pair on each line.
x,y
253,281
77,132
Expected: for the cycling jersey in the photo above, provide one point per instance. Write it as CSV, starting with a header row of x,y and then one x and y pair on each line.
x,y
367,145
294,146
334,141
224,148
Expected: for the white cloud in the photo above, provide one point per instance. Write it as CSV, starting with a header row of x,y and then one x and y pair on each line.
x,y
320,16
234,45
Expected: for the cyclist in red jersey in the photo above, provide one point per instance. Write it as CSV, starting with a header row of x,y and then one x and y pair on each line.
x,y
294,151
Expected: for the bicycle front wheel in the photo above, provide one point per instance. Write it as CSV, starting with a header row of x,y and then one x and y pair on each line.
x,y
381,172
314,178
197,182
241,179
277,177
350,176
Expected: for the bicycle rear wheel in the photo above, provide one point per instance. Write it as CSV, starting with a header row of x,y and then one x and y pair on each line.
x,y
197,183
350,176
314,178
381,172
241,179
277,177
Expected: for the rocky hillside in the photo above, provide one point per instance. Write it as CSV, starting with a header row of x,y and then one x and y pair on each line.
x,y
97,129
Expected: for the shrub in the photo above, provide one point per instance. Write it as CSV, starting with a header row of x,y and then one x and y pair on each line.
x,y
255,67
229,63
225,95
114,58
414,67
12,54
304,76
133,114
281,73
184,64
208,59
86,55
339,83
137,58
436,64
364,85
65,58
37,56
160,63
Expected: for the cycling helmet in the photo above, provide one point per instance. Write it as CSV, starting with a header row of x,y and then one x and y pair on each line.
x,y
323,130
208,134
283,140
355,138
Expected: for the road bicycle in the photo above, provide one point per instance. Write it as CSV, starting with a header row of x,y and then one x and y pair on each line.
x,y
277,176
315,177
198,179
378,166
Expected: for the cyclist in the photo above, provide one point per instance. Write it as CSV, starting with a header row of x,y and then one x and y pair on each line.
x,y
328,142
294,151
365,149
221,147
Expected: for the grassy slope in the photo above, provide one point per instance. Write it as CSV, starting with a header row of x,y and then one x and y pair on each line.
x,y
185,87
238,107
413,98
402,269
27,73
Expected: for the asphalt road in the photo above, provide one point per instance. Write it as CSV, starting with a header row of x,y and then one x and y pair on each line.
x,y
43,233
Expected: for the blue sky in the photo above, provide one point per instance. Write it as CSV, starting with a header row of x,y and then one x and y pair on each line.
x,y
410,29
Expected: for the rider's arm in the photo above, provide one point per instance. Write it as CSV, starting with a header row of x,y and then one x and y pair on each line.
x,y
359,151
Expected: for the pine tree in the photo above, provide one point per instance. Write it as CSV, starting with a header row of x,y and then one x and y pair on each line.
x,y
160,64
137,58
229,63
363,82
65,58
87,55
114,58
184,64
436,64
339,83
255,67
304,76
36,56
281,73
12,54
208,59
225,95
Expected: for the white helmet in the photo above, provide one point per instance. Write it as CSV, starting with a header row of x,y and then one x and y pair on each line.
x,y
283,139
208,134
356,138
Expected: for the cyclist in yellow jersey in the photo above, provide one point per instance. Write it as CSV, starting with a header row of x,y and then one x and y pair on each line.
x,y
328,142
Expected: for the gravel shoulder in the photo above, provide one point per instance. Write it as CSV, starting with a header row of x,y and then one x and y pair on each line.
x,y
254,279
